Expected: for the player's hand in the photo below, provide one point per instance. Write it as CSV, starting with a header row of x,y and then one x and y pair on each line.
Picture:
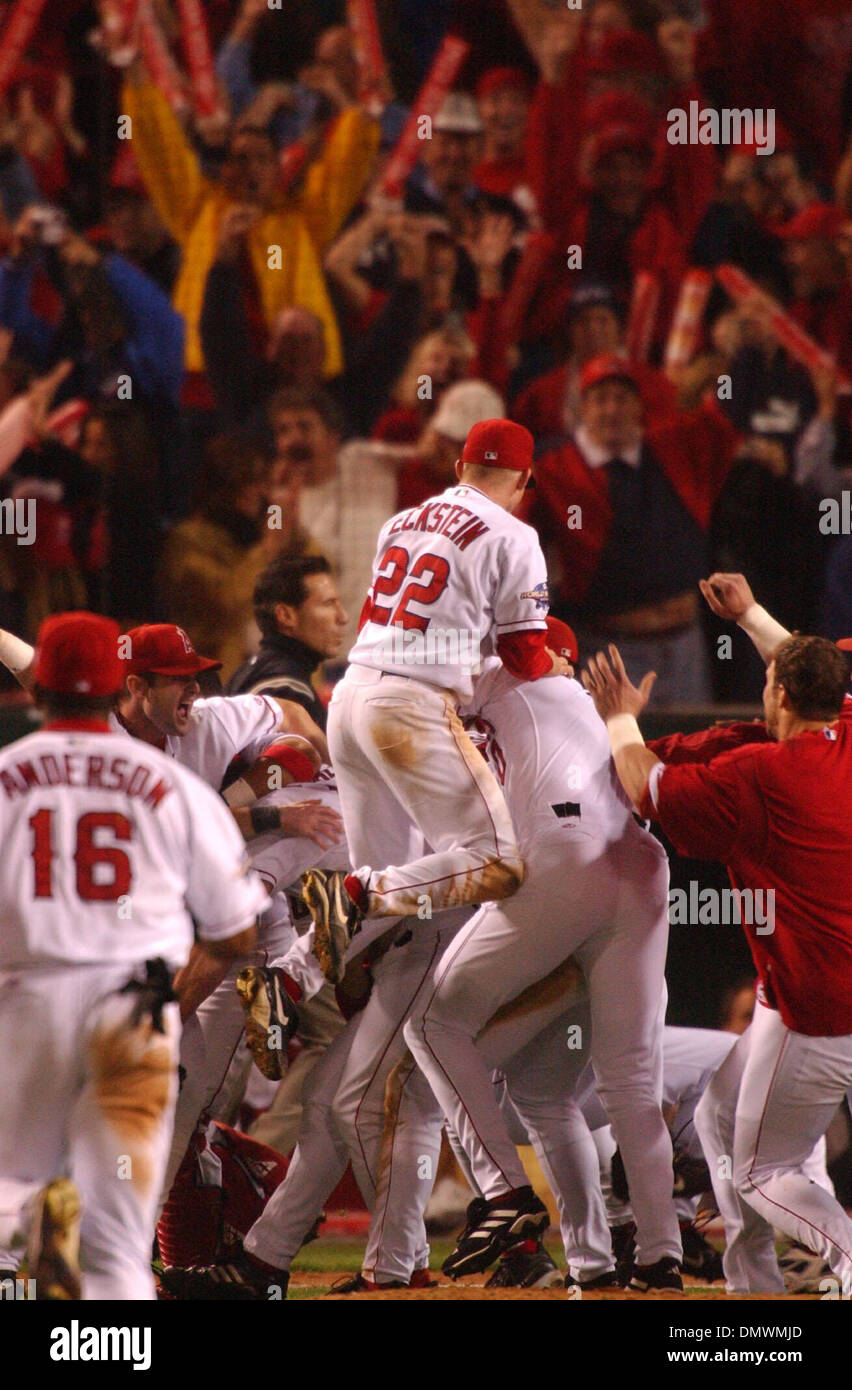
x,y
314,821
560,665
611,688
729,595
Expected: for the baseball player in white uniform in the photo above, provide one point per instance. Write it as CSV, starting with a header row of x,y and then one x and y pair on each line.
x,y
597,890
107,849
159,703
454,575
214,1031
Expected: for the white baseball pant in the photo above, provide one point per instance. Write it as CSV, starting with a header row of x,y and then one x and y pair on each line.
x,y
401,755
85,1095
344,1112
211,1039
758,1120
606,904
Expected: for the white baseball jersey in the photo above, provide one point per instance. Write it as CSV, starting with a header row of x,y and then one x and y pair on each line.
x,y
221,728
107,849
550,750
450,575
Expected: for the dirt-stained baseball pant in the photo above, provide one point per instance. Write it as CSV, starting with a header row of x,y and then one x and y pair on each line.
x,y
401,754
344,1108
606,904
540,1073
320,1021
211,1037
758,1120
85,1094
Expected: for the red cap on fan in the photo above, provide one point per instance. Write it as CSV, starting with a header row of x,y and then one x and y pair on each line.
x,y
163,650
499,444
561,639
607,367
77,654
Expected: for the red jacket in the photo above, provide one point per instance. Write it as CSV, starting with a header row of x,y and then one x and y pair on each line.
x,y
541,405
695,451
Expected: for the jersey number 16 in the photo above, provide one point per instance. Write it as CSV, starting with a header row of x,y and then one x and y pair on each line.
x,y
87,855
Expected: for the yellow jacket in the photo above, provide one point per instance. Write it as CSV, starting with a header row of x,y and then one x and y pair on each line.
x,y
192,207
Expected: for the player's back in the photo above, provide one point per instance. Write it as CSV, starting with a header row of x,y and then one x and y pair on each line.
x,y
448,575
796,813
555,755
98,836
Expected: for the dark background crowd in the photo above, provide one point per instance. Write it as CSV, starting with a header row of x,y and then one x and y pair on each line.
x,y
221,342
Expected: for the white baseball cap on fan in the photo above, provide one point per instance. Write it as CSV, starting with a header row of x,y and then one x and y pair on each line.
x,y
464,405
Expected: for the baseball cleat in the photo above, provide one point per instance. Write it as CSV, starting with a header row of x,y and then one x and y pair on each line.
x,y
271,1018
357,1283
623,1249
336,919
803,1271
523,1268
53,1252
240,1281
491,1227
662,1276
700,1260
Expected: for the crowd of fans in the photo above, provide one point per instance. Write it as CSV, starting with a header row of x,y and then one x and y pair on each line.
x,y
220,343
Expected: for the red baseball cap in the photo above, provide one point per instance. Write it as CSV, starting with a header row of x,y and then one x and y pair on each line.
x,y
499,444
501,79
562,639
164,650
77,654
816,222
607,367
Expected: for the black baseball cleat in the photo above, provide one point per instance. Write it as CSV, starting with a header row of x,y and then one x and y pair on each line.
x,y
662,1276
523,1268
271,1018
491,1227
623,1249
335,916
356,1283
53,1251
700,1260
239,1281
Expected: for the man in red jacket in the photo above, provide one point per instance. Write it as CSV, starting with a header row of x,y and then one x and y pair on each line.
x,y
623,512
779,814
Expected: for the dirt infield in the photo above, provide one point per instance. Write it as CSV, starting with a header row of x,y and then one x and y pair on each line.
x,y
316,1284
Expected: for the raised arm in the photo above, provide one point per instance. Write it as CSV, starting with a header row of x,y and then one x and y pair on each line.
x,y
730,597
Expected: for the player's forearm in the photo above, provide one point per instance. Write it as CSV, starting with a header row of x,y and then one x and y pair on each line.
x,y
197,980
634,761
764,631
18,657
